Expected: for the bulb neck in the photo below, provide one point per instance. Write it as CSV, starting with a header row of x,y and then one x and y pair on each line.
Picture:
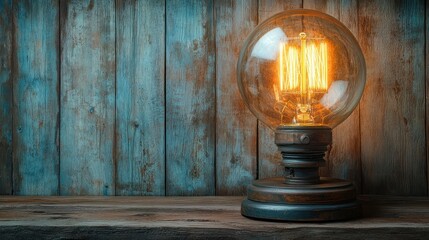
x,y
303,151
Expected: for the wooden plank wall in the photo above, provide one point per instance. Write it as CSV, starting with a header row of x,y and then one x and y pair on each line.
x,y
236,136
35,98
134,97
140,98
190,98
87,98
394,129
6,121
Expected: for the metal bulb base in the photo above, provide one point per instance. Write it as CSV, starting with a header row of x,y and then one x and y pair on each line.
x,y
301,195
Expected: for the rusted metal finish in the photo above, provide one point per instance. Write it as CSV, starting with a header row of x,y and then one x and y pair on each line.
x,y
271,199
303,150
275,191
303,135
301,195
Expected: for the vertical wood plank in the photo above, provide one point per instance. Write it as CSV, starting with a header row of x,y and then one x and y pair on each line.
x,y
35,96
6,97
236,135
393,106
427,93
190,96
140,107
269,157
344,158
87,97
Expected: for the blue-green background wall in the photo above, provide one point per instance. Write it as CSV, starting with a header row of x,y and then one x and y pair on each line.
x,y
127,97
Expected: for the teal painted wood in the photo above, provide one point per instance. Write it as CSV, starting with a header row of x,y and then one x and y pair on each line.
x,y
6,97
392,133
236,135
190,98
35,97
87,98
140,105
268,155
392,36
344,159
427,94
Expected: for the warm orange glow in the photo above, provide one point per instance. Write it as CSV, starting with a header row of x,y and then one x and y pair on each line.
x,y
317,67
289,69
303,71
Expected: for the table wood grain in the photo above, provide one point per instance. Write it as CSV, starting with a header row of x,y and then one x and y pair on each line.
x,y
197,218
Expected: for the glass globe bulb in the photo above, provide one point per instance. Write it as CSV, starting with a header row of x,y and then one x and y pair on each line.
x,y
301,68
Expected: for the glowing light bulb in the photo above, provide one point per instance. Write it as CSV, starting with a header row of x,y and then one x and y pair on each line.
x,y
301,72
301,68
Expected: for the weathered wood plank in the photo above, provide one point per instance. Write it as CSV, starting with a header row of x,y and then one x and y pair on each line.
x,y
268,155
6,100
344,157
392,112
190,98
87,97
236,135
140,135
197,217
427,94
35,97
268,8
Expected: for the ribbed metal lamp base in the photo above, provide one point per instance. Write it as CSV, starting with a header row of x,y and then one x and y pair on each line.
x,y
301,195
272,199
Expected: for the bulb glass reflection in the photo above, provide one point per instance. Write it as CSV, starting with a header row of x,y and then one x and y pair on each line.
x,y
301,68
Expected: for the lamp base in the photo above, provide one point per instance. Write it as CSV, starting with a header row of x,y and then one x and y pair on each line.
x,y
273,199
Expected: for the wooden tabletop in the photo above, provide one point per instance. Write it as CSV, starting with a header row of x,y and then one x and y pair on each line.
x,y
197,217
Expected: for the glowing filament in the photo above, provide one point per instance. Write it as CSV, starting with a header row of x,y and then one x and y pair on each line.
x,y
303,71
289,69
317,67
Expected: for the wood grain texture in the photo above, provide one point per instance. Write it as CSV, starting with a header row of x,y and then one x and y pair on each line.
x,y
392,109
190,98
87,97
140,106
344,156
236,126
268,155
35,97
197,218
6,101
427,93
196,123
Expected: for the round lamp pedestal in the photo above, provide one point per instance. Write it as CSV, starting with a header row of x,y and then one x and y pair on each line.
x,y
302,195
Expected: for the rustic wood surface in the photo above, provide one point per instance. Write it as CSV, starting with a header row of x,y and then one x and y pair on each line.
x,y
197,218
427,93
87,98
6,101
236,136
392,113
35,98
140,105
139,98
344,160
190,96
